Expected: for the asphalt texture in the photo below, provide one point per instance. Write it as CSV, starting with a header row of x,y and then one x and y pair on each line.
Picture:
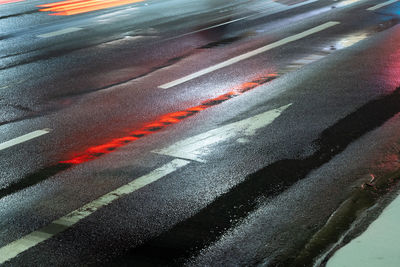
x,y
252,191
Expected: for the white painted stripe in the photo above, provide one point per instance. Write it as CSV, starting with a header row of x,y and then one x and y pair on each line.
x,y
23,138
250,54
197,147
59,32
13,249
382,5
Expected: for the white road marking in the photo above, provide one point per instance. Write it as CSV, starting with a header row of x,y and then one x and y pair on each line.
x,y
59,32
13,249
250,54
196,147
382,5
23,138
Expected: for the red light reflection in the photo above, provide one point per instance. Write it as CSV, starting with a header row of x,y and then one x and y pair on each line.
x,y
73,7
164,121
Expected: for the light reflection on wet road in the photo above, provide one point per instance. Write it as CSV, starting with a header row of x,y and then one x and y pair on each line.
x,y
119,178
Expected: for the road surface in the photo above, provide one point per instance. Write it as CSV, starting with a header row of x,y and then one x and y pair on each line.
x,y
196,133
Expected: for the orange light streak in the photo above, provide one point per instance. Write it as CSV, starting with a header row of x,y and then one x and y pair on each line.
x,y
2,2
168,119
73,7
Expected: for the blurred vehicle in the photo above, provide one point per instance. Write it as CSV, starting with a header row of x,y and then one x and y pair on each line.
x,y
194,14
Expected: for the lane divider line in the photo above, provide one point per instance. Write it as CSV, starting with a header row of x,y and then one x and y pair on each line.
x,y
250,54
23,138
16,247
381,5
59,32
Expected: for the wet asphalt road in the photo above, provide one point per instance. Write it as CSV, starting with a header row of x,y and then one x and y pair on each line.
x,y
239,164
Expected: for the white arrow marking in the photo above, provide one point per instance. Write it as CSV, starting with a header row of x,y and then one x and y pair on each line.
x,y
196,147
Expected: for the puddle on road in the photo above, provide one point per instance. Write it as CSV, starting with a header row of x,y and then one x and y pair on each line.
x,y
188,237
342,221
350,40
222,42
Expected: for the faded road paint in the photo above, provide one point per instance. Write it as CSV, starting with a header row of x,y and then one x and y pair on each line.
x,y
59,32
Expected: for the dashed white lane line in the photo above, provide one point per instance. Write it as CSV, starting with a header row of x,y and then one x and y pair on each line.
x,y
382,5
13,249
59,32
250,54
197,147
23,138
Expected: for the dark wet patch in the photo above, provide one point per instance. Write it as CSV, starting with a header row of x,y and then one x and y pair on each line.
x,y
30,114
54,51
21,118
10,121
155,129
136,135
20,107
34,178
222,42
168,63
387,24
187,238
361,199
19,14
3,37
53,228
